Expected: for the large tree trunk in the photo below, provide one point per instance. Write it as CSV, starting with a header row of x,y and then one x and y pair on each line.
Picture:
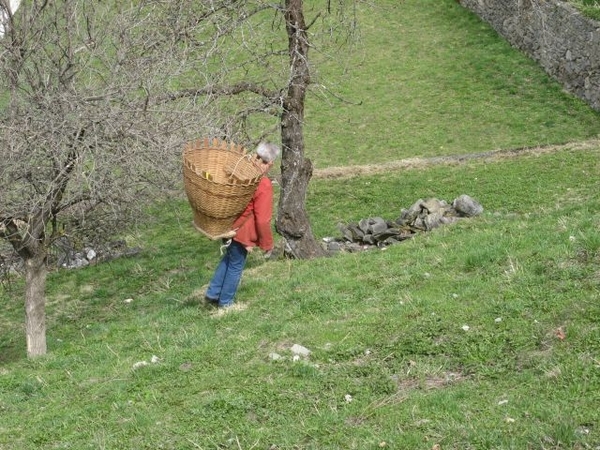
x,y
35,305
292,219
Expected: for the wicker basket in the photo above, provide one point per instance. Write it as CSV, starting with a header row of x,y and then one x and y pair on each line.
x,y
219,180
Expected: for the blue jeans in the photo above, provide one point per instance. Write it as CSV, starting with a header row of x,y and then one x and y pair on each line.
x,y
227,276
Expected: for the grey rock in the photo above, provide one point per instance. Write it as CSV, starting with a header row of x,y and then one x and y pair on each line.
x,y
466,206
377,225
298,349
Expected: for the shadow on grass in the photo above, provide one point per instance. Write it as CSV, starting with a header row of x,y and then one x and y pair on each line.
x,y
11,352
192,302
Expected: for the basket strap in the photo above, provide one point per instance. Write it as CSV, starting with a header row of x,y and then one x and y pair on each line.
x,y
225,245
248,157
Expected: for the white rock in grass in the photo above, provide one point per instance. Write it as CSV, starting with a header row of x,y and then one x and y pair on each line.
x,y
155,359
466,327
274,356
348,398
139,364
300,350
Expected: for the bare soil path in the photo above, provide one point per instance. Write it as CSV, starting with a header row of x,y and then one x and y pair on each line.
x,y
417,163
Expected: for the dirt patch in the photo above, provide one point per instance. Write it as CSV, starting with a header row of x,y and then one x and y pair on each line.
x,y
419,163
438,381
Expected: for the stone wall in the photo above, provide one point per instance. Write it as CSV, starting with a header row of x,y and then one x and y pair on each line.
x,y
553,33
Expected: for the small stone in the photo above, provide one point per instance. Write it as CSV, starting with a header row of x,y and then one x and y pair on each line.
x,y
466,206
300,350
186,366
139,364
334,246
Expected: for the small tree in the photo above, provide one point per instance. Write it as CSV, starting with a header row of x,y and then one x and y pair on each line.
x,y
85,144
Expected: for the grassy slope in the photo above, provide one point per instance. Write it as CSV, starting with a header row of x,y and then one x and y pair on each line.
x,y
384,327
428,79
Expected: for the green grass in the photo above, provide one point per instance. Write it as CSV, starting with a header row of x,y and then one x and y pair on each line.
x,y
430,78
590,8
385,327
392,363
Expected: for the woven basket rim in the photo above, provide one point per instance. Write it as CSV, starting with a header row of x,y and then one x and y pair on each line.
x,y
225,148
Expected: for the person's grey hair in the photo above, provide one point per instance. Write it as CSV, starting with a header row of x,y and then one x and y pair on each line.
x,y
268,152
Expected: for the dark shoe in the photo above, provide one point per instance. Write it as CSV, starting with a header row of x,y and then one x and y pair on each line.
x,y
211,302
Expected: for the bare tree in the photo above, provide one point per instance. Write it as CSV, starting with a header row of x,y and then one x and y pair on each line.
x,y
84,143
97,99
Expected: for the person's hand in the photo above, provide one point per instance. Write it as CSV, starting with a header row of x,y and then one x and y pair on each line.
x,y
249,249
230,234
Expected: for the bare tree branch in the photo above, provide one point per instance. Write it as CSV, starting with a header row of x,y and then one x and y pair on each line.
x,y
235,89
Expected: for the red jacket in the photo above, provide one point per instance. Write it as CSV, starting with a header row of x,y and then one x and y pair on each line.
x,y
255,222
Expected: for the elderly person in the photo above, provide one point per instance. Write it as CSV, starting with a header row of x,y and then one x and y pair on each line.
x,y
253,229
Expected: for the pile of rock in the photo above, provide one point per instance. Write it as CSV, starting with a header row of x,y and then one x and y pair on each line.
x,y
423,215
65,255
